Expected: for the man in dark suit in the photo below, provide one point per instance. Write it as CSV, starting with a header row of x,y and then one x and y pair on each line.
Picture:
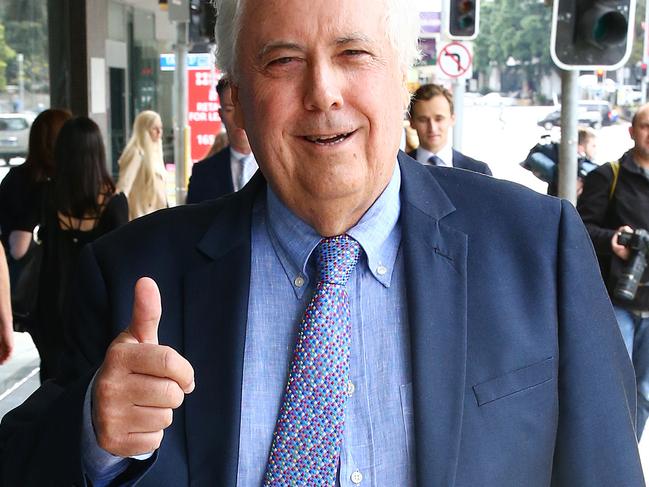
x,y
432,115
470,363
229,169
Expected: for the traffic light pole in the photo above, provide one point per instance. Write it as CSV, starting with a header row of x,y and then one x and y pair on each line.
x,y
645,55
181,128
568,148
458,86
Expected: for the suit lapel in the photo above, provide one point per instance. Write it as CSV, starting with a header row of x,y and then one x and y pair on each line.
x,y
216,304
435,258
225,172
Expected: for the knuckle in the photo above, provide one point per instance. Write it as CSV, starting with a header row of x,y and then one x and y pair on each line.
x,y
171,394
168,357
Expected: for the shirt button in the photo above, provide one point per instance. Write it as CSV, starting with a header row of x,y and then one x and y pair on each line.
x,y
357,477
381,270
299,281
350,388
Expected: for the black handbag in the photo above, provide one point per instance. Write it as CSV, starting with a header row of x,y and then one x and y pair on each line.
x,y
24,294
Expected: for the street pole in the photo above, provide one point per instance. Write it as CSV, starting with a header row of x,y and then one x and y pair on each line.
x,y
21,82
458,104
568,148
645,53
181,129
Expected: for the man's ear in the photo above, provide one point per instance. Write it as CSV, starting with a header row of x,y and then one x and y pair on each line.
x,y
238,112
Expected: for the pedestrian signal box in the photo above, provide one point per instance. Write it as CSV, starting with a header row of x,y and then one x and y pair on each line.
x,y
591,34
461,19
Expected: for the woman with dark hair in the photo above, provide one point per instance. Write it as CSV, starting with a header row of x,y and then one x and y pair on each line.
x,y
21,188
81,205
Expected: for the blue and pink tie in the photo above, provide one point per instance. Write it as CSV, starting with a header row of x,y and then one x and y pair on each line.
x,y
309,430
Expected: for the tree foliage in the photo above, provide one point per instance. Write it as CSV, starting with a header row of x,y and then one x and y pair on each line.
x,y
6,55
516,29
26,32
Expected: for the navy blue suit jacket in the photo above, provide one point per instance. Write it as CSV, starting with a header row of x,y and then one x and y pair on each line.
x,y
464,162
211,178
520,377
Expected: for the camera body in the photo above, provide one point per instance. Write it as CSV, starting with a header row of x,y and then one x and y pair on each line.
x,y
638,243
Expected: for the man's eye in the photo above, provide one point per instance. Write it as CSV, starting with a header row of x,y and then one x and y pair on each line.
x,y
282,61
354,52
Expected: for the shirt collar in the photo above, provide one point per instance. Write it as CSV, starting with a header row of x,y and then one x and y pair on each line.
x,y
238,155
377,232
445,154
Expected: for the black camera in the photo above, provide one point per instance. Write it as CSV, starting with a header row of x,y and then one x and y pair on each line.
x,y
638,243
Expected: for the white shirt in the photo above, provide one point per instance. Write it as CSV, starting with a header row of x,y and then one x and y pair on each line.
x,y
249,167
446,156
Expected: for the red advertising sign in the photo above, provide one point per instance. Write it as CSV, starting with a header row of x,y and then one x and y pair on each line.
x,y
202,116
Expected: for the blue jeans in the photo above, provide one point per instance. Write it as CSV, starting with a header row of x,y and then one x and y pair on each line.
x,y
634,329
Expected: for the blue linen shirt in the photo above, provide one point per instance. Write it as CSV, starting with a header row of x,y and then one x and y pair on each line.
x,y
377,448
378,443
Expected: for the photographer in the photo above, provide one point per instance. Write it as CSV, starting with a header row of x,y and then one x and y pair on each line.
x,y
614,205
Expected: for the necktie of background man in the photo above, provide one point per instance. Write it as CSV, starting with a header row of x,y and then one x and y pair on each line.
x,y
309,429
241,180
435,161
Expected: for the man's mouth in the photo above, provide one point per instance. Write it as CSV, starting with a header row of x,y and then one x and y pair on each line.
x,y
329,139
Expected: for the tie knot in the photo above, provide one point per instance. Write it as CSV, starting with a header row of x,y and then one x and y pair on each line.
x,y
435,160
336,258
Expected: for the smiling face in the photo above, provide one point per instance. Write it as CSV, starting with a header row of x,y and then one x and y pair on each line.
x,y
321,95
432,120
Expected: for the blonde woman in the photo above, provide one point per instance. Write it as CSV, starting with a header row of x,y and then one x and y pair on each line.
x,y
141,168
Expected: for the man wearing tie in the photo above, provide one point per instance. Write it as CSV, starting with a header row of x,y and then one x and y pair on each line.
x,y
431,115
350,318
229,169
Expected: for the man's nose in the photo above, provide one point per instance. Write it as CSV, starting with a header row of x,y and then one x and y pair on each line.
x,y
322,90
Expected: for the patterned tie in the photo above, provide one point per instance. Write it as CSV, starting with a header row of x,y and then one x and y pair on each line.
x,y
309,429
435,161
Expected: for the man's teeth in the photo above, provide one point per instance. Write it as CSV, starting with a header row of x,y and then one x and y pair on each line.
x,y
327,140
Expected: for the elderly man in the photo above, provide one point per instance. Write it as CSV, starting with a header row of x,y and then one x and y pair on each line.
x,y
350,317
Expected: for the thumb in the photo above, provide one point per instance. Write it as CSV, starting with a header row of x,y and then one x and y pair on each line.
x,y
147,309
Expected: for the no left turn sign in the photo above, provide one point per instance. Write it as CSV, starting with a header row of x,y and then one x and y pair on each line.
x,y
454,60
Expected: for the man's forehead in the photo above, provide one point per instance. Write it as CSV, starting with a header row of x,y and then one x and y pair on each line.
x,y
337,20
437,103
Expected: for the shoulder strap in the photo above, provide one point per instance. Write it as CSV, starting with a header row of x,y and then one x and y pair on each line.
x,y
615,167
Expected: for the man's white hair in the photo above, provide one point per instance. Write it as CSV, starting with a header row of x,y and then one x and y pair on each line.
x,y
402,22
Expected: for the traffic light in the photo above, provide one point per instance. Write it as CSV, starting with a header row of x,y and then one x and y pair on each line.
x,y
600,75
461,18
587,34
643,70
202,17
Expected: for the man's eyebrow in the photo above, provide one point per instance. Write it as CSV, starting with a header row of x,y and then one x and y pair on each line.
x,y
278,45
355,37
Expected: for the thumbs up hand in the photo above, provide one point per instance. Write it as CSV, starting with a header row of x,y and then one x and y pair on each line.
x,y
140,382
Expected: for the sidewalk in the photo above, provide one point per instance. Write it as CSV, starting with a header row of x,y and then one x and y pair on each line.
x,y
19,377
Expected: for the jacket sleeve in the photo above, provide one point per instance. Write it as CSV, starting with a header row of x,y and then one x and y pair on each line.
x,y
596,443
593,207
128,170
